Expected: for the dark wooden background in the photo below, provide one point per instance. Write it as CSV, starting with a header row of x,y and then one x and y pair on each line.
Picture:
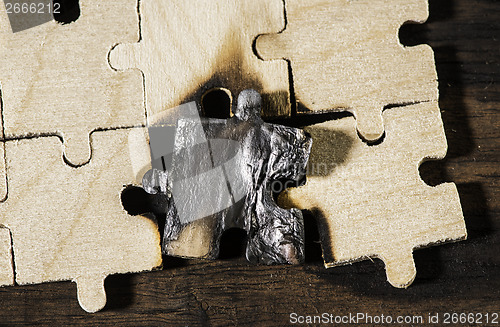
x,y
460,277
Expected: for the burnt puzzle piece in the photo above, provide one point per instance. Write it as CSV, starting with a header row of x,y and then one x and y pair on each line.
x,y
221,174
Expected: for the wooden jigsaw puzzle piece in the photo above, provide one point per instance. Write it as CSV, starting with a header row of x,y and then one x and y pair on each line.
x,y
346,56
68,223
6,263
56,79
370,200
188,47
3,176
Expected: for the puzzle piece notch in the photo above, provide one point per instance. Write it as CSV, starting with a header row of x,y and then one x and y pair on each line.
x,y
70,223
6,263
346,56
373,202
189,47
56,79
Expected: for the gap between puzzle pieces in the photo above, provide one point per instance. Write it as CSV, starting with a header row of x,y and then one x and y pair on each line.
x,y
69,223
370,200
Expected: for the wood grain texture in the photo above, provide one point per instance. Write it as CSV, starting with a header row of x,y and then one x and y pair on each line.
x,y
188,47
460,277
69,223
345,56
56,79
369,200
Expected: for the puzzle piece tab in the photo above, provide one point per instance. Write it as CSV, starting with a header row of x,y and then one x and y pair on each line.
x,y
68,223
56,79
370,200
188,47
345,55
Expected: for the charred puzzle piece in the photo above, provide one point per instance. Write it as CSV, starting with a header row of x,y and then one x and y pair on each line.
x,y
220,175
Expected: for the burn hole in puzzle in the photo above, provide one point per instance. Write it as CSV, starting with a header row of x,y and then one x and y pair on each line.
x,y
66,11
216,103
136,201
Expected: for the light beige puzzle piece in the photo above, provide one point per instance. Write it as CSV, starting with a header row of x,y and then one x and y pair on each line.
x,y
56,79
6,264
188,47
3,177
345,55
370,200
69,223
